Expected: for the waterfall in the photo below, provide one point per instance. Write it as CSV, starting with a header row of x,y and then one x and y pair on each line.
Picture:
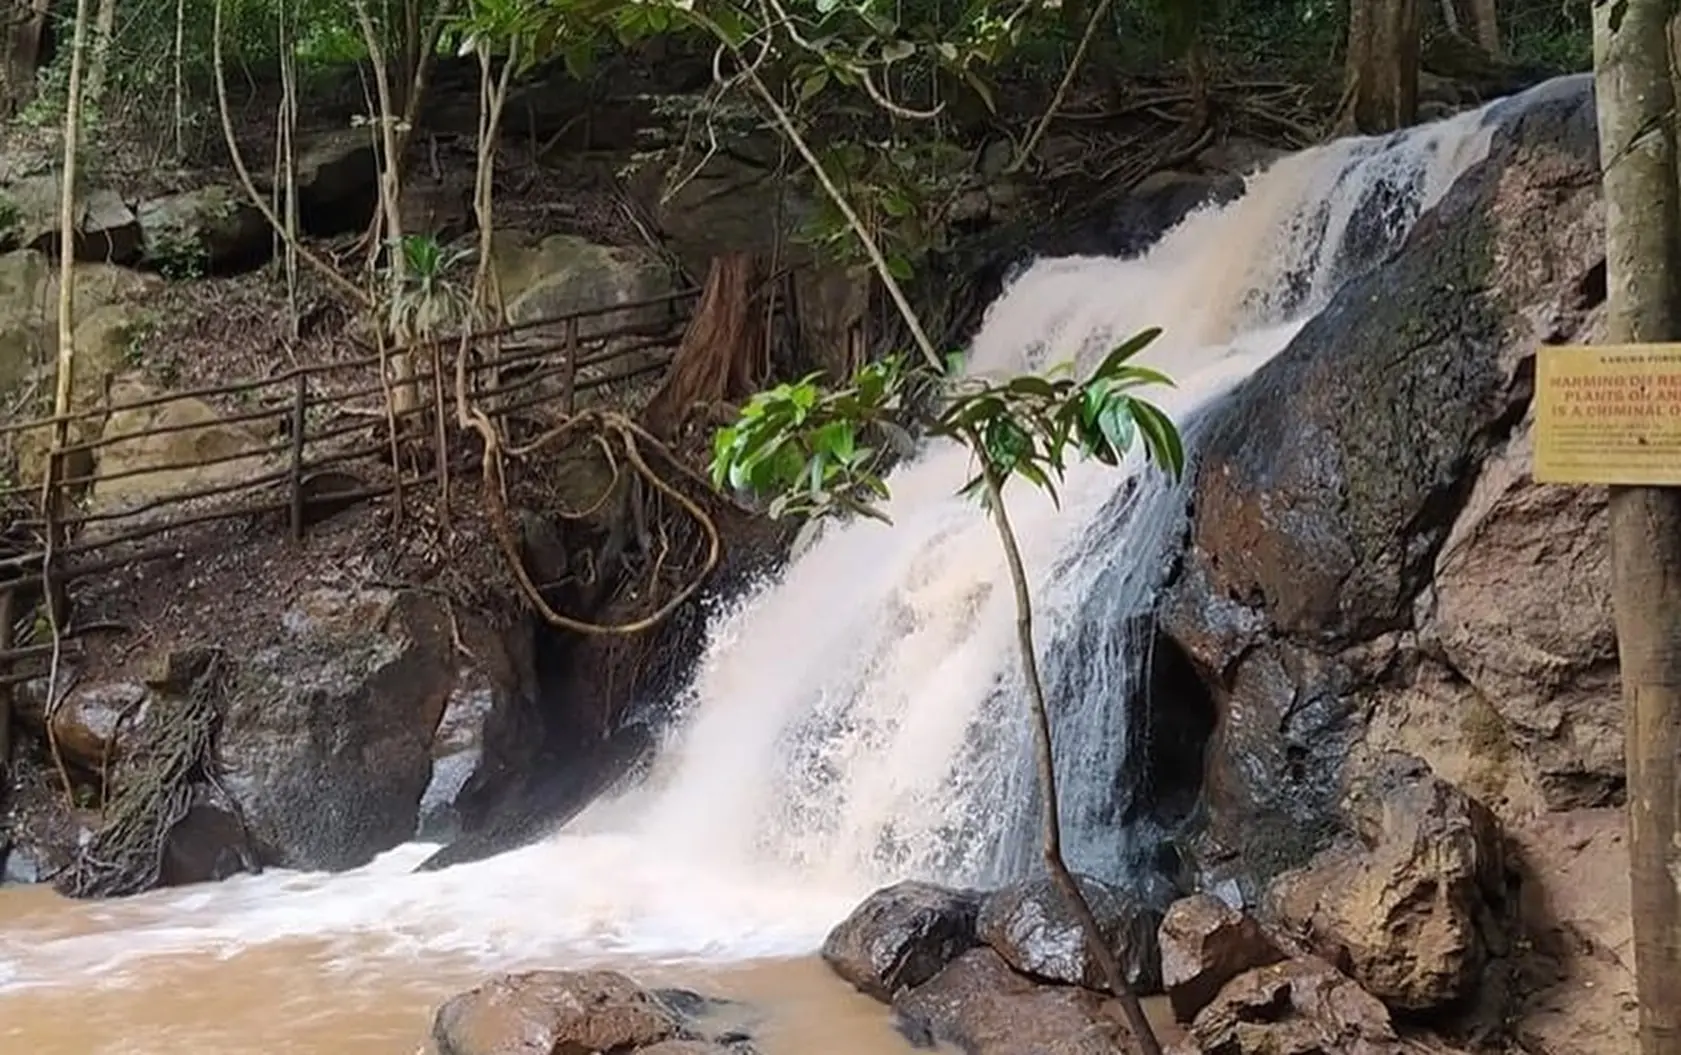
x,y
861,717
858,717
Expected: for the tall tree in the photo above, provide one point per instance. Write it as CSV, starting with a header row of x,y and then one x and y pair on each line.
x,y
1381,90
1637,144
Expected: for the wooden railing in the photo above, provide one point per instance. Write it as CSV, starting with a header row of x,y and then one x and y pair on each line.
x,y
534,366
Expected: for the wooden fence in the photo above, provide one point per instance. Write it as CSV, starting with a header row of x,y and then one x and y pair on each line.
x,y
533,366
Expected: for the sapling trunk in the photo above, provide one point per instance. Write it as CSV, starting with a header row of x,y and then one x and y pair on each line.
x,y
1051,823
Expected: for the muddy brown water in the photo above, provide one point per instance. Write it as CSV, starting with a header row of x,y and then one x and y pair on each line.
x,y
300,997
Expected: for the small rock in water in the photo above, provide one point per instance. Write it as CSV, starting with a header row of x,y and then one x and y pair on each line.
x,y
1205,943
544,1012
1032,927
901,936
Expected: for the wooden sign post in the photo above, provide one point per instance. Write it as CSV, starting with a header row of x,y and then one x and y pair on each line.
x,y
1609,414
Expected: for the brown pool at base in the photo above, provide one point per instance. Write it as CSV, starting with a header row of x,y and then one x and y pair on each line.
x,y
280,1000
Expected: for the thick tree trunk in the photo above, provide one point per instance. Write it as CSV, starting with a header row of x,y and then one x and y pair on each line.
x,y
1381,91
1643,265
25,25
1484,24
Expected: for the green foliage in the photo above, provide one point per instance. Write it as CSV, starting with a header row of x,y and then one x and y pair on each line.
x,y
808,448
429,297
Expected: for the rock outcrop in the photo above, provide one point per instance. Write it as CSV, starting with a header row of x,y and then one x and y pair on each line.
x,y
1327,596
1298,1007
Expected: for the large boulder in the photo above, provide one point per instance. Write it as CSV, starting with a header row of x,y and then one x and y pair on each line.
x,y
1327,490
109,312
1298,1007
901,936
327,743
338,181
1034,928
213,228
579,1013
984,1008
1418,908
563,274
105,227
140,464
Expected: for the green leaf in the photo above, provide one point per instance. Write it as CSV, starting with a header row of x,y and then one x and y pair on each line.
x,y
1161,437
1126,350
897,50
1115,421
835,439
813,84
900,268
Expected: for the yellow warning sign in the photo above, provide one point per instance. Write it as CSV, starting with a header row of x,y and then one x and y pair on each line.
x,y
1609,414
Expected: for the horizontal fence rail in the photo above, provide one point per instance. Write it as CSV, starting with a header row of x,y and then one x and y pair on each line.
x,y
281,448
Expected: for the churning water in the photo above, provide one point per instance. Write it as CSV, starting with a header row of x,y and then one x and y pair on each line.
x,y
859,718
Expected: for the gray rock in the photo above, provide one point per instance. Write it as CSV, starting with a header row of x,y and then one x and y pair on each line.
x,y
328,739
213,227
901,936
984,1008
1032,926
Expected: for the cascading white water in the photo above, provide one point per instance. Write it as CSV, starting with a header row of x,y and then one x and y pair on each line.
x,y
857,719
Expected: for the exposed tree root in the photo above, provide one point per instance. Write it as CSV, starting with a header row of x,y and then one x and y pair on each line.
x,y
154,784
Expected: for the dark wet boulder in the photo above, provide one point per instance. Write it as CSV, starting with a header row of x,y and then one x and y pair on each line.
x,y
901,936
1033,927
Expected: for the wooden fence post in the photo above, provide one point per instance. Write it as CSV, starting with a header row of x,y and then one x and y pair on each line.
x,y
569,379
300,397
7,614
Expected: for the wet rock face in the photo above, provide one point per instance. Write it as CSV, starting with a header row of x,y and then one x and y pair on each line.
x,y
1418,908
978,1004
1033,928
901,936
1328,489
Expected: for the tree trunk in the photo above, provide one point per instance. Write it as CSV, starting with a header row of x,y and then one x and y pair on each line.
x,y
723,355
99,55
1381,92
1643,239
26,23
1484,22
